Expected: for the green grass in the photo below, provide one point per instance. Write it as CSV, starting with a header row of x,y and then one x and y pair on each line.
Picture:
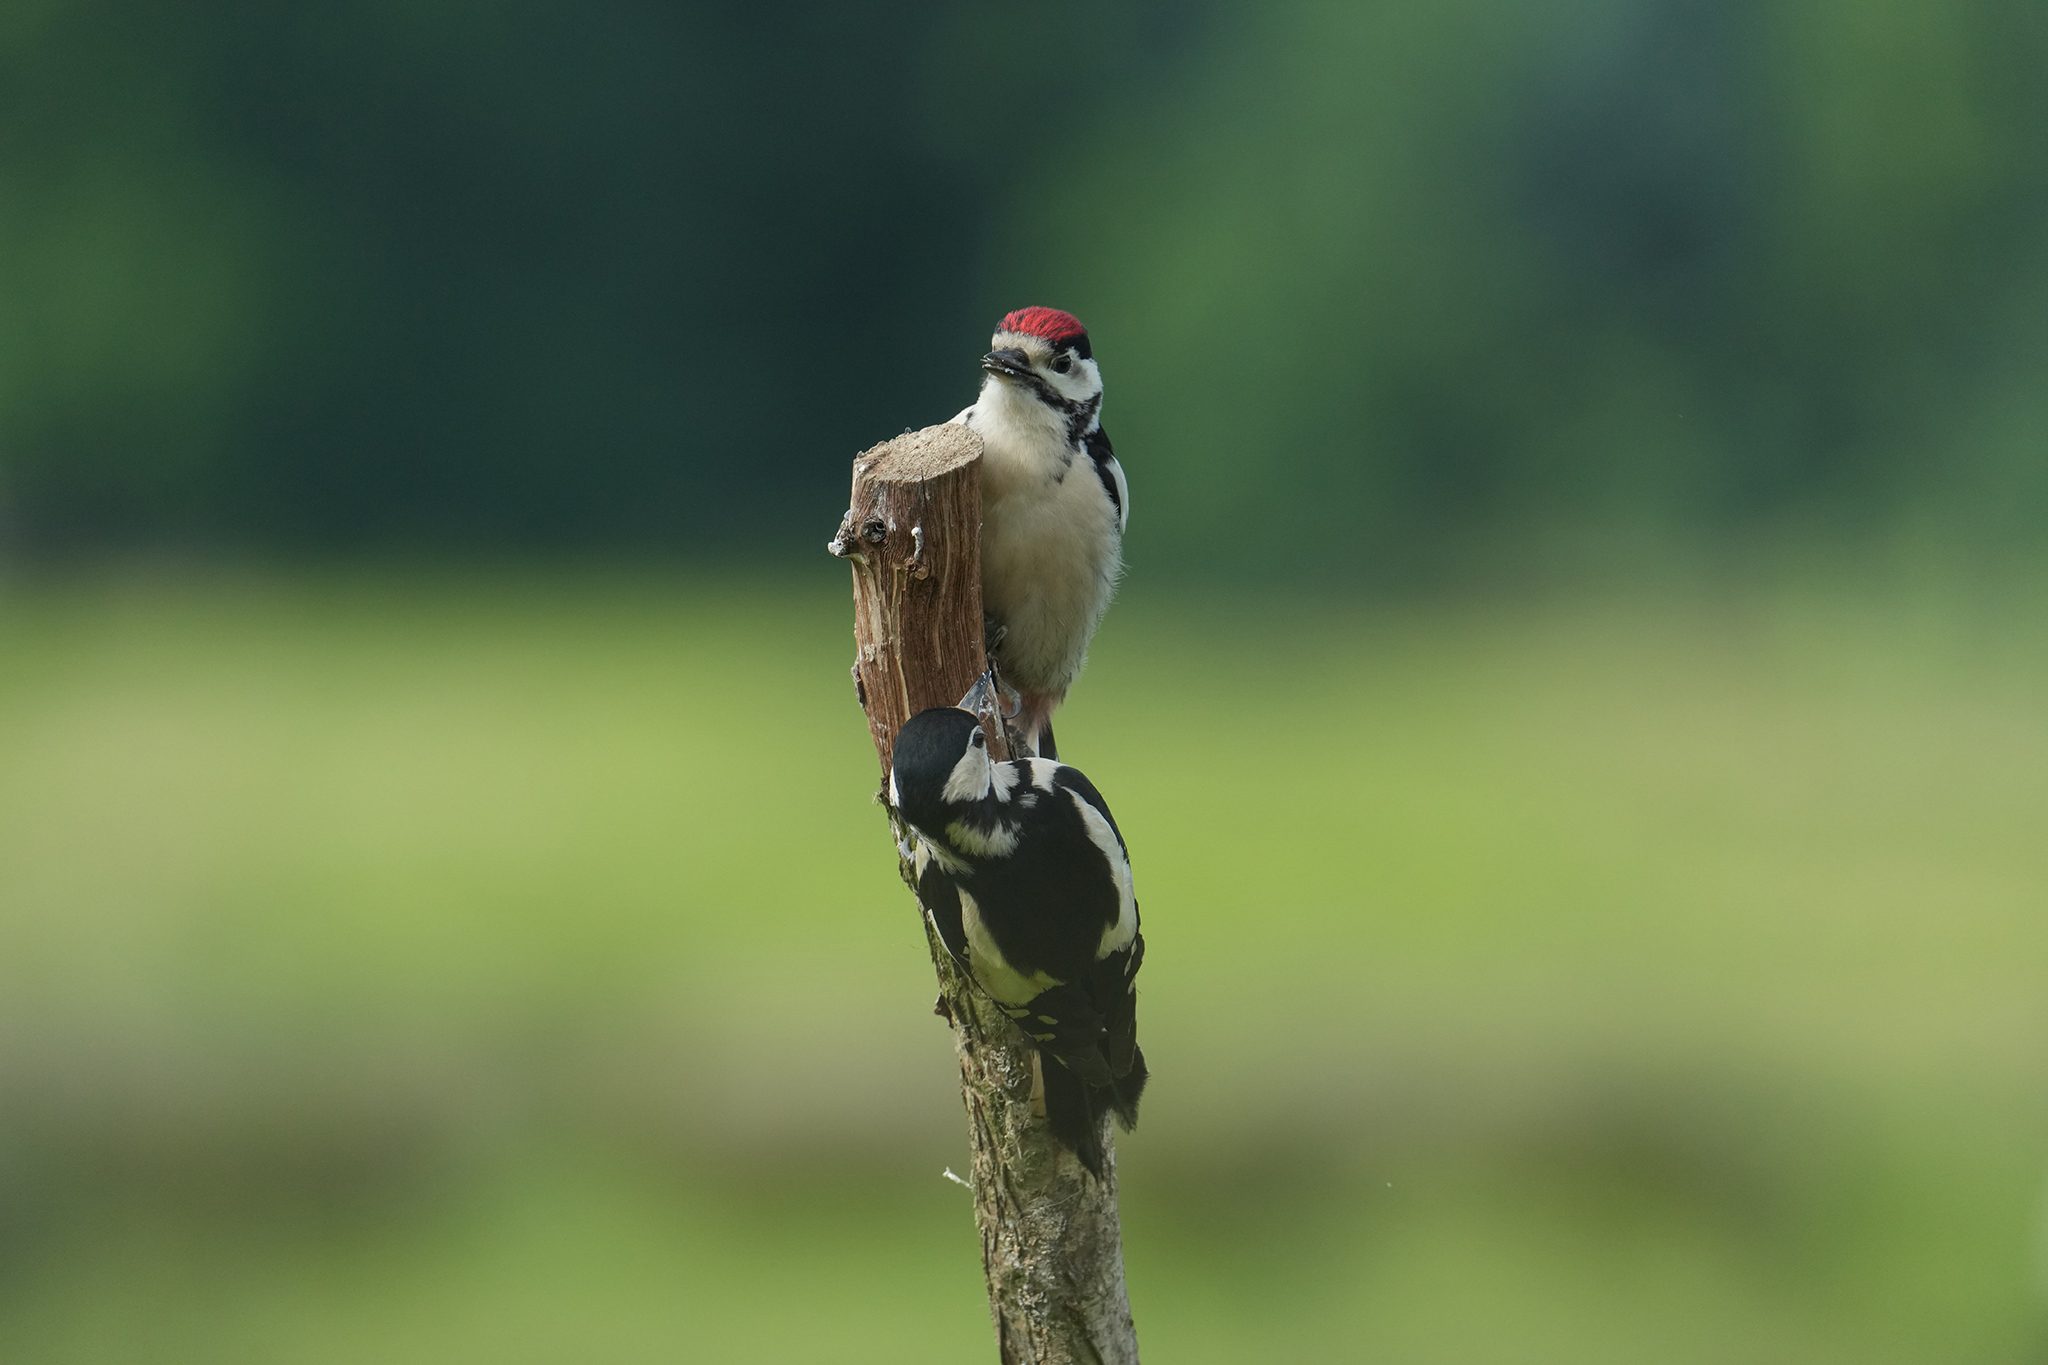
x,y
413,969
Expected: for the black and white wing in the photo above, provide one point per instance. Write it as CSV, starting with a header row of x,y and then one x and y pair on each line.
x,y
1111,472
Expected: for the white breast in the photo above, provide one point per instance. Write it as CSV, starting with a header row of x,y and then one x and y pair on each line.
x,y
1051,545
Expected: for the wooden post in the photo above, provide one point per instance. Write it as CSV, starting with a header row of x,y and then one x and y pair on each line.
x,y
1051,1245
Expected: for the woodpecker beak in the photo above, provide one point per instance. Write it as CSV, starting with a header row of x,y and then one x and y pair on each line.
x,y
1010,364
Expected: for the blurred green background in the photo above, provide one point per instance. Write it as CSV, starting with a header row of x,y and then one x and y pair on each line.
x,y
1595,900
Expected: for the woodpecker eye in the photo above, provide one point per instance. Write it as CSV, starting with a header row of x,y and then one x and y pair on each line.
x,y
1062,364
978,739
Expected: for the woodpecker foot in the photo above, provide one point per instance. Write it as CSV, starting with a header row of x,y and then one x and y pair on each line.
x,y
976,697
991,693
993,633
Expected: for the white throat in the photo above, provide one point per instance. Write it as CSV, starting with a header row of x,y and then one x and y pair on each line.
x,y
1017,428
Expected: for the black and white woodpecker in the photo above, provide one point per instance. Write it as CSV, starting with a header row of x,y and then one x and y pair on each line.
x,y
1054,507
1029,886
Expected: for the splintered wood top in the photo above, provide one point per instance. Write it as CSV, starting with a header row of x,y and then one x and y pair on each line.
x,y
918,455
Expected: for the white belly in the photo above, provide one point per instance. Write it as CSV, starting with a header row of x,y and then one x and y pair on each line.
x,y
1050,555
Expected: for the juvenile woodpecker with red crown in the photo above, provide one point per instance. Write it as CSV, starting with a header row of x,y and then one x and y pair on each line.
x,y
1054,507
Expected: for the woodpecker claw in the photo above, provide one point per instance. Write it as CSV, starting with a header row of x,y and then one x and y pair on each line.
x,y
977,697
991,693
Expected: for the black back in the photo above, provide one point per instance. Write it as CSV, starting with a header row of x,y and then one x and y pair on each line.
x,y
1047,903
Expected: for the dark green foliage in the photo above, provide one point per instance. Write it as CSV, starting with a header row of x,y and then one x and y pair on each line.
x,y
1404,281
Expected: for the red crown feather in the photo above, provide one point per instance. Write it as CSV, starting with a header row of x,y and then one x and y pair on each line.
x,y
1048,323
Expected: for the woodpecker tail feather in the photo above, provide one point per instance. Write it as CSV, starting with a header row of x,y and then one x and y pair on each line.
x,y
1124,1059
1125,1091
1072,1113
1075,1109
1033,722
1091,1063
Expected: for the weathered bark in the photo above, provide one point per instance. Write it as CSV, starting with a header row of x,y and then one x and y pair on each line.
x,y
1051,1246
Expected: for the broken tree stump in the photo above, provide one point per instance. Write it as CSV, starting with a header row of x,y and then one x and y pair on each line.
x,y
1051,1243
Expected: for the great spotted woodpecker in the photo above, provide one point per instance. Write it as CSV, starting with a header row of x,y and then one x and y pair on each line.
x,y
1029,886
1054,507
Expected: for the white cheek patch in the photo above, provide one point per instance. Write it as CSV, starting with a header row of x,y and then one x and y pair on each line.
x,y
1082,383
895,792
969,779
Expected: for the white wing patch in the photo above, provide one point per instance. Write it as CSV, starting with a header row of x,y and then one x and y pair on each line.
x,y
1123,495
1116,936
